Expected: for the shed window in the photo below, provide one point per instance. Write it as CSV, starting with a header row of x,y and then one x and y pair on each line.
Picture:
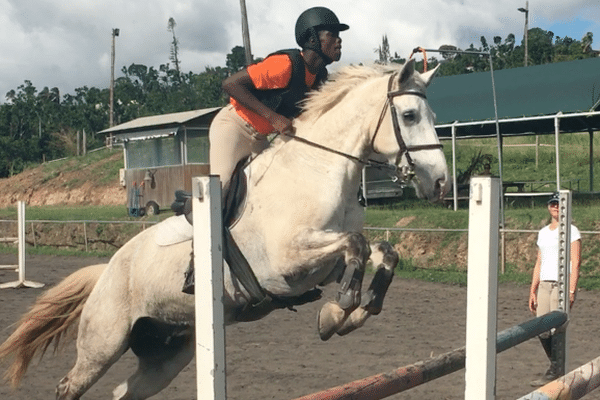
x,y
197,146
153,153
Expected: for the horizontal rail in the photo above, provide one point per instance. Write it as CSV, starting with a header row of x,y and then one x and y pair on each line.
x,y
80,221
505,230
373,228
521,119
572,386
383,385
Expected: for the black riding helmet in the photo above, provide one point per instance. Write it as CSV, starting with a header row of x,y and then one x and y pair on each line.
x,y
555,198
313,20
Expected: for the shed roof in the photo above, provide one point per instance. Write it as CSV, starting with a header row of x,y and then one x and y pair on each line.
x,y
155,122
528,99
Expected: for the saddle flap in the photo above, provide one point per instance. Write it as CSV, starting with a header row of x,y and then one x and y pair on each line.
x,y
235,197
173,230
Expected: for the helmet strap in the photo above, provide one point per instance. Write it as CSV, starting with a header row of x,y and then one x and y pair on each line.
x,y
317,45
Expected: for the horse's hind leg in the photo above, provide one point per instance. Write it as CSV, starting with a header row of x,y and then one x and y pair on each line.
x,y
101,341
155,372
386,258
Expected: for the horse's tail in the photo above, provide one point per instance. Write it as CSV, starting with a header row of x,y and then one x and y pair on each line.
x,y
48,320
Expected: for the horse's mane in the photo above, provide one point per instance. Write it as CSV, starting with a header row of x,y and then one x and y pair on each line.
x,y
339,85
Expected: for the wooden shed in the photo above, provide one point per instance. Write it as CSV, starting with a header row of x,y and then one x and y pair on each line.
x,y
162,153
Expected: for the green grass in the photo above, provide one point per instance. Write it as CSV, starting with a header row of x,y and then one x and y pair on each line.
x,y
80,213
519,162
52,251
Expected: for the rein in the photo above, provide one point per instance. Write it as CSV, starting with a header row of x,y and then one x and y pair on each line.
x,y
408,172
368,162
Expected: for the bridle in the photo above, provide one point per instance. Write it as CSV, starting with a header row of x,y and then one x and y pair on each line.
x,y
405,173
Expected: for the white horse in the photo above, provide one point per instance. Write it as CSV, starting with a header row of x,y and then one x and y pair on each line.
x,y
300,229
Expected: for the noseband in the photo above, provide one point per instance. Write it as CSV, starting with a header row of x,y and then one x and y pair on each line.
x,y
407,172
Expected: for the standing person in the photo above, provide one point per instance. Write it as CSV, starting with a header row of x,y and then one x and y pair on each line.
x,y
265,95
543,294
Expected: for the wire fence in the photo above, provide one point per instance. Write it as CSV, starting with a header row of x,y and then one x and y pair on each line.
x,y
92,235
89,232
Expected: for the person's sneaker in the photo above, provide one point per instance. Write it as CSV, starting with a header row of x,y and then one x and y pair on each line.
x,y
548,377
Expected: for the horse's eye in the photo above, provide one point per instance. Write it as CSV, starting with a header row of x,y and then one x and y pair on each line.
x,y
409,116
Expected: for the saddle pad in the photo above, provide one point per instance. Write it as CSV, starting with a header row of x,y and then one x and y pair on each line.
x,y
173,230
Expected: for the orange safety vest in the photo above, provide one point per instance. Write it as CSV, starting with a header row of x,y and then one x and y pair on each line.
x,y
280,83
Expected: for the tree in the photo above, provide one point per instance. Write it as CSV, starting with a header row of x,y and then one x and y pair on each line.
x,y
449,53
174,56
207,86
540,46
236,60
383,51
586,43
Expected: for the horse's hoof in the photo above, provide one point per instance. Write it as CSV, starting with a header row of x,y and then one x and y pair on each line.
x,y
63,390
354,321
330,319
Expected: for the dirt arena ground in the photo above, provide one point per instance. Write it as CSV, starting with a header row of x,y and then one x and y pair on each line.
x,y
281,356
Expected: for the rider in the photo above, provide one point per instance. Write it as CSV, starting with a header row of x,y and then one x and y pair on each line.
x,y
264,97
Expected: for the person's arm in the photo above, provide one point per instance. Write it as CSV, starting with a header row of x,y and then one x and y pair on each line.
x,y
535,283
574,273
239,86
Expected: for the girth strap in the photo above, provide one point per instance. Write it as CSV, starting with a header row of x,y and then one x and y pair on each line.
x,y
261,303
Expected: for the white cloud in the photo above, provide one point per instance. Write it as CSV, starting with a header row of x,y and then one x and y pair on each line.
x,y
67,44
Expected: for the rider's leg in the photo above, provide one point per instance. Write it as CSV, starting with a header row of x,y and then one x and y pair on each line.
x,y
232,139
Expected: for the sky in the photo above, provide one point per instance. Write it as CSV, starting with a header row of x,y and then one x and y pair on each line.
x,y
67,44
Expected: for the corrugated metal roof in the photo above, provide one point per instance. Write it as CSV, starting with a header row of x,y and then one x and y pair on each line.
x,y
146,134
160,120
567,87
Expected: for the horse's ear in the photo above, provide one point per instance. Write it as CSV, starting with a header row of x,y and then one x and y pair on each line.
x,y
408,69
429,75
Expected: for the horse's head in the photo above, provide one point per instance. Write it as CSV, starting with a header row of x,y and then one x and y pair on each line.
x,y
408,139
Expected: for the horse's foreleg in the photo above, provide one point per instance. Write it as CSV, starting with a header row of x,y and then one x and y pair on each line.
x,y
354,249
386,259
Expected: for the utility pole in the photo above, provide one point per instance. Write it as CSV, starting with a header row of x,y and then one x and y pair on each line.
x,y
526,11
111,122
525,37
246,33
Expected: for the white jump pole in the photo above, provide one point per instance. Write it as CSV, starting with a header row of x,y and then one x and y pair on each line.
x,y
21,283
208,263
482,289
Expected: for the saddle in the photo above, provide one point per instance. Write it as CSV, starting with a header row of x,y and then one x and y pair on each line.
x,y
233,203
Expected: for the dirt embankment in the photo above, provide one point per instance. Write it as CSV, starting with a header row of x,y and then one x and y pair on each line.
x,y
79,185
74,182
